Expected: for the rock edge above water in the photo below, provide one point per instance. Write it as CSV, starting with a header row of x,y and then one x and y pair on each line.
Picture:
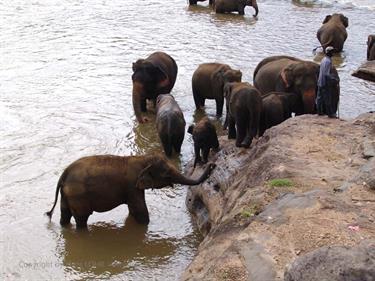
x,y
255,229
366,71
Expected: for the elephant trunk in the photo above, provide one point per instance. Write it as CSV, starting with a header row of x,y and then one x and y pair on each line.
x,y
308,98
255,6
137,99
181,179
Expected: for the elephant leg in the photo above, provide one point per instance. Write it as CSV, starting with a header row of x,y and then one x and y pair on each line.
x,y
205,152
66,214
231,128
81,220
197,154
167,145
241,10
219,106
138,208
241,131
143,105
177,143
198,100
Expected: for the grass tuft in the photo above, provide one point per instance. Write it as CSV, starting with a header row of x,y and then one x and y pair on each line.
x,y
280,182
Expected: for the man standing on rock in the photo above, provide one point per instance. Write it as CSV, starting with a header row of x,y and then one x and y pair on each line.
x,y
325,80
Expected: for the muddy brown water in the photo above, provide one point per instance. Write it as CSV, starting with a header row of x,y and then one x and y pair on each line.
x,y
65,84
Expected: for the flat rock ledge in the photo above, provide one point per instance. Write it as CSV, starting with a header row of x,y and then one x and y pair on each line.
x,y
366,71
279,210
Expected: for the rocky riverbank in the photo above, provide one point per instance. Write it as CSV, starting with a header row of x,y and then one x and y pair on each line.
x,y
305,187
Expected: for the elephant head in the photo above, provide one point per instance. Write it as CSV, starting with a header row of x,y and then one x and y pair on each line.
x,y
160,173
147,79
226,75
340,17
301,78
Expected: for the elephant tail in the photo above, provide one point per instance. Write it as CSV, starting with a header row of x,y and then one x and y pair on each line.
x,y
58,187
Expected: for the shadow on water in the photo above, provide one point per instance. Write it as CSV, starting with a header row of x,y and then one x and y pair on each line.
x,y
218,122
338,59
106,249
235,18
200,9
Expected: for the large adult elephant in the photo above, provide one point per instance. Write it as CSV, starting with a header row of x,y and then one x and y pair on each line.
x,y
292,75
371,47
152,76
228,6
208,82
101,183
333,32
194,2
170,124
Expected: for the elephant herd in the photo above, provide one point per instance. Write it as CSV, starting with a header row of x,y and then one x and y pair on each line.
x,y
282,85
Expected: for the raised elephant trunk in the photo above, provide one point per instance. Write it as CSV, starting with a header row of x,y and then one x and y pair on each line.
x,y
255,6
137,99
181,179
308,98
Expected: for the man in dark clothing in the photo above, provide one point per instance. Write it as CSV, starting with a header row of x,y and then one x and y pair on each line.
x,y
325,80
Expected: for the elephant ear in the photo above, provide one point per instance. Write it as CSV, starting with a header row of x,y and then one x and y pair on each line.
x,y
227,90
218,78
327,18
286,76
162,78
344,20
144,179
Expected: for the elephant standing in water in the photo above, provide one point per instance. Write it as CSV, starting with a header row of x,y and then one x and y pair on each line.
x,y
228,6
371,47
208,82
333,32
152,76
170,123
292,75
101,183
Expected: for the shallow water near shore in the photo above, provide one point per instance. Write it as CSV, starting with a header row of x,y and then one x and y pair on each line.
x,y
65,84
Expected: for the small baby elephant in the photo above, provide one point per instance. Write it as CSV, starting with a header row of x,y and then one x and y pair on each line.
x,y
204,137
170,123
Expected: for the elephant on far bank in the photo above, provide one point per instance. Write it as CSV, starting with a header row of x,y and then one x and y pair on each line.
x,y
333,32
170,123
292,75
208,82
276,108
102,182
371,47
228,6
152,76
194,2
244,106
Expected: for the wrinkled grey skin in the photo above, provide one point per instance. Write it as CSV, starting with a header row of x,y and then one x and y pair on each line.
x,y
208,82
276,108
170,124
244,106
194,2
228,6
205,138
371,47
152,76
333,32
103,182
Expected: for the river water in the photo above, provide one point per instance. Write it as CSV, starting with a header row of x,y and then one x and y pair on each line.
x,y
65,85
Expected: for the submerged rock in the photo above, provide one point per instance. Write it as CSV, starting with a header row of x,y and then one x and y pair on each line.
x,y
298,188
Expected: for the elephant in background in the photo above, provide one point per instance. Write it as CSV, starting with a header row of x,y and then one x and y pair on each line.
x,y
371,47
292,75
276,108
208,82
333,32
170,123
194,2
103,182
228,6
152,76
244,106
205,138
